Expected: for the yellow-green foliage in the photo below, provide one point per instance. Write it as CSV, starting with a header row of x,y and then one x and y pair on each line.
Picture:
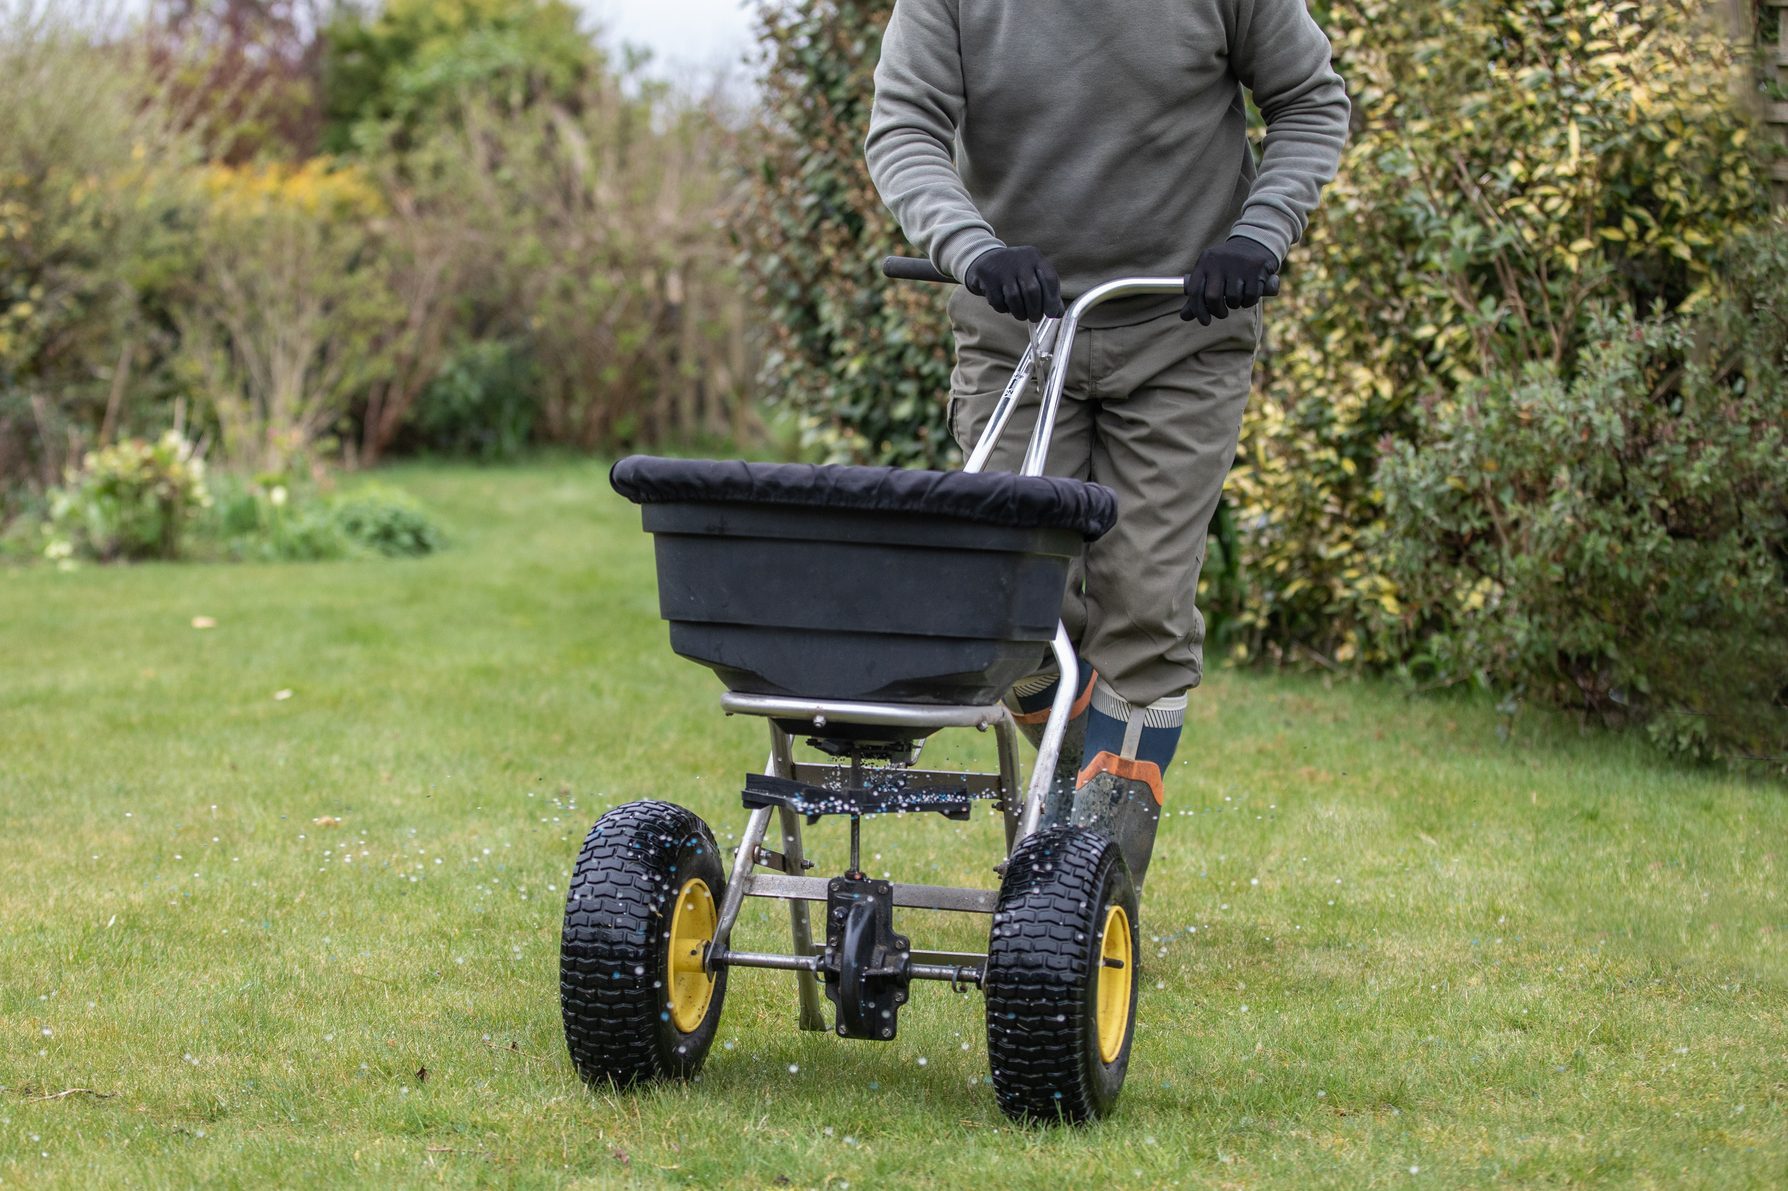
x,y
1515,166
315,189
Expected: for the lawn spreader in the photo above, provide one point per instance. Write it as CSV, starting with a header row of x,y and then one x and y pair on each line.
x,y
861,610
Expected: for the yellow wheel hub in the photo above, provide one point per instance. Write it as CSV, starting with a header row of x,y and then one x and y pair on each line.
x,y
1117,968
691,930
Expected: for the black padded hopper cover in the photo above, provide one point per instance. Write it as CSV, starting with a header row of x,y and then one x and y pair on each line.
x,y
995,498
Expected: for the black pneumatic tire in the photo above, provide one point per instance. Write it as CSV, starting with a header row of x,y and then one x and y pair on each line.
x,y
1043,966
614,952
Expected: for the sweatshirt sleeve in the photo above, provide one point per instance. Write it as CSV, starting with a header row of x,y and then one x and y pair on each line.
x,y
1284,58
918,105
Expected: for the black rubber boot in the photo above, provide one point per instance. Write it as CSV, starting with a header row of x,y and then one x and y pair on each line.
x,y
1125,809
1128,750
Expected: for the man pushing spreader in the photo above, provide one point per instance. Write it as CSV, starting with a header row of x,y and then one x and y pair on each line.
x,y
1106,186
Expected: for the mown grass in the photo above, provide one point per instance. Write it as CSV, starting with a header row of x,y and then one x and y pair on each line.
x,y
1387,948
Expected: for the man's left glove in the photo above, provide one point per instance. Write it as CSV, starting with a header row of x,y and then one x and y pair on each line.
x,y
1231,276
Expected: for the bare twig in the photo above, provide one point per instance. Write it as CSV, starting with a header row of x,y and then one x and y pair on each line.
x,y
1313,655
115,397
68,1093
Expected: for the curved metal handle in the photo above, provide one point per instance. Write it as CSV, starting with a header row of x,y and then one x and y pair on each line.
x,y
1052,343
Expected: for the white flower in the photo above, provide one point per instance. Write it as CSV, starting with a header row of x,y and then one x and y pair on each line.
x,y
278,496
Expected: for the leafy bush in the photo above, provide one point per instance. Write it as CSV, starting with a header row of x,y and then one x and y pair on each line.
x,y
89,162
591,237
865,361
289,311
483,403
387,522
1516,167
272,519
244,75
392,71
132,500
276,519
1616,542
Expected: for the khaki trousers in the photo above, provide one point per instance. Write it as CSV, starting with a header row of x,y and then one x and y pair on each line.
x,y
1152,411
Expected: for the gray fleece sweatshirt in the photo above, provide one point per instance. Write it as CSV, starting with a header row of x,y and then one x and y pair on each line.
x,y
1110,134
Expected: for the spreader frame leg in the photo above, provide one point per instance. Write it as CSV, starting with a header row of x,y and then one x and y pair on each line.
x,y
738,882
1050,747
1005,733
782,764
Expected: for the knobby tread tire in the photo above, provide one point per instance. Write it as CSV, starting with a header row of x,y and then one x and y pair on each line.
x,y
1043,959
613,949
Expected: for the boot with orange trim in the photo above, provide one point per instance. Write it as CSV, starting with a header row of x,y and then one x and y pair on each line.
x,y
1127,751
1030,702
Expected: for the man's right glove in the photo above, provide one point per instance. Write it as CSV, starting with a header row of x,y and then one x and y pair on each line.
x,y
1017,281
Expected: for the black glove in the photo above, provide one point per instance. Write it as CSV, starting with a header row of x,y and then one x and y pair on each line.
x,y
1231,276
1017,281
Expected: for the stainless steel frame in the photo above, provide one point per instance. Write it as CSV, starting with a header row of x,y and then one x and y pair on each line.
x,y
1051,347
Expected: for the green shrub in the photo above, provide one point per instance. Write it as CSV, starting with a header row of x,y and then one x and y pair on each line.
x,y
89,214
864,361
392,70
133,500
596,243
272,519
482,404
1615,542
276,519
387,522
290,312
1517,165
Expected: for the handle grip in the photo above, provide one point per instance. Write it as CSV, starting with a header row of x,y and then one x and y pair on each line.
x,y
914,268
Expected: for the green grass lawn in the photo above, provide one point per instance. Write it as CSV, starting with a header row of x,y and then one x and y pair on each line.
x,y
1385,948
